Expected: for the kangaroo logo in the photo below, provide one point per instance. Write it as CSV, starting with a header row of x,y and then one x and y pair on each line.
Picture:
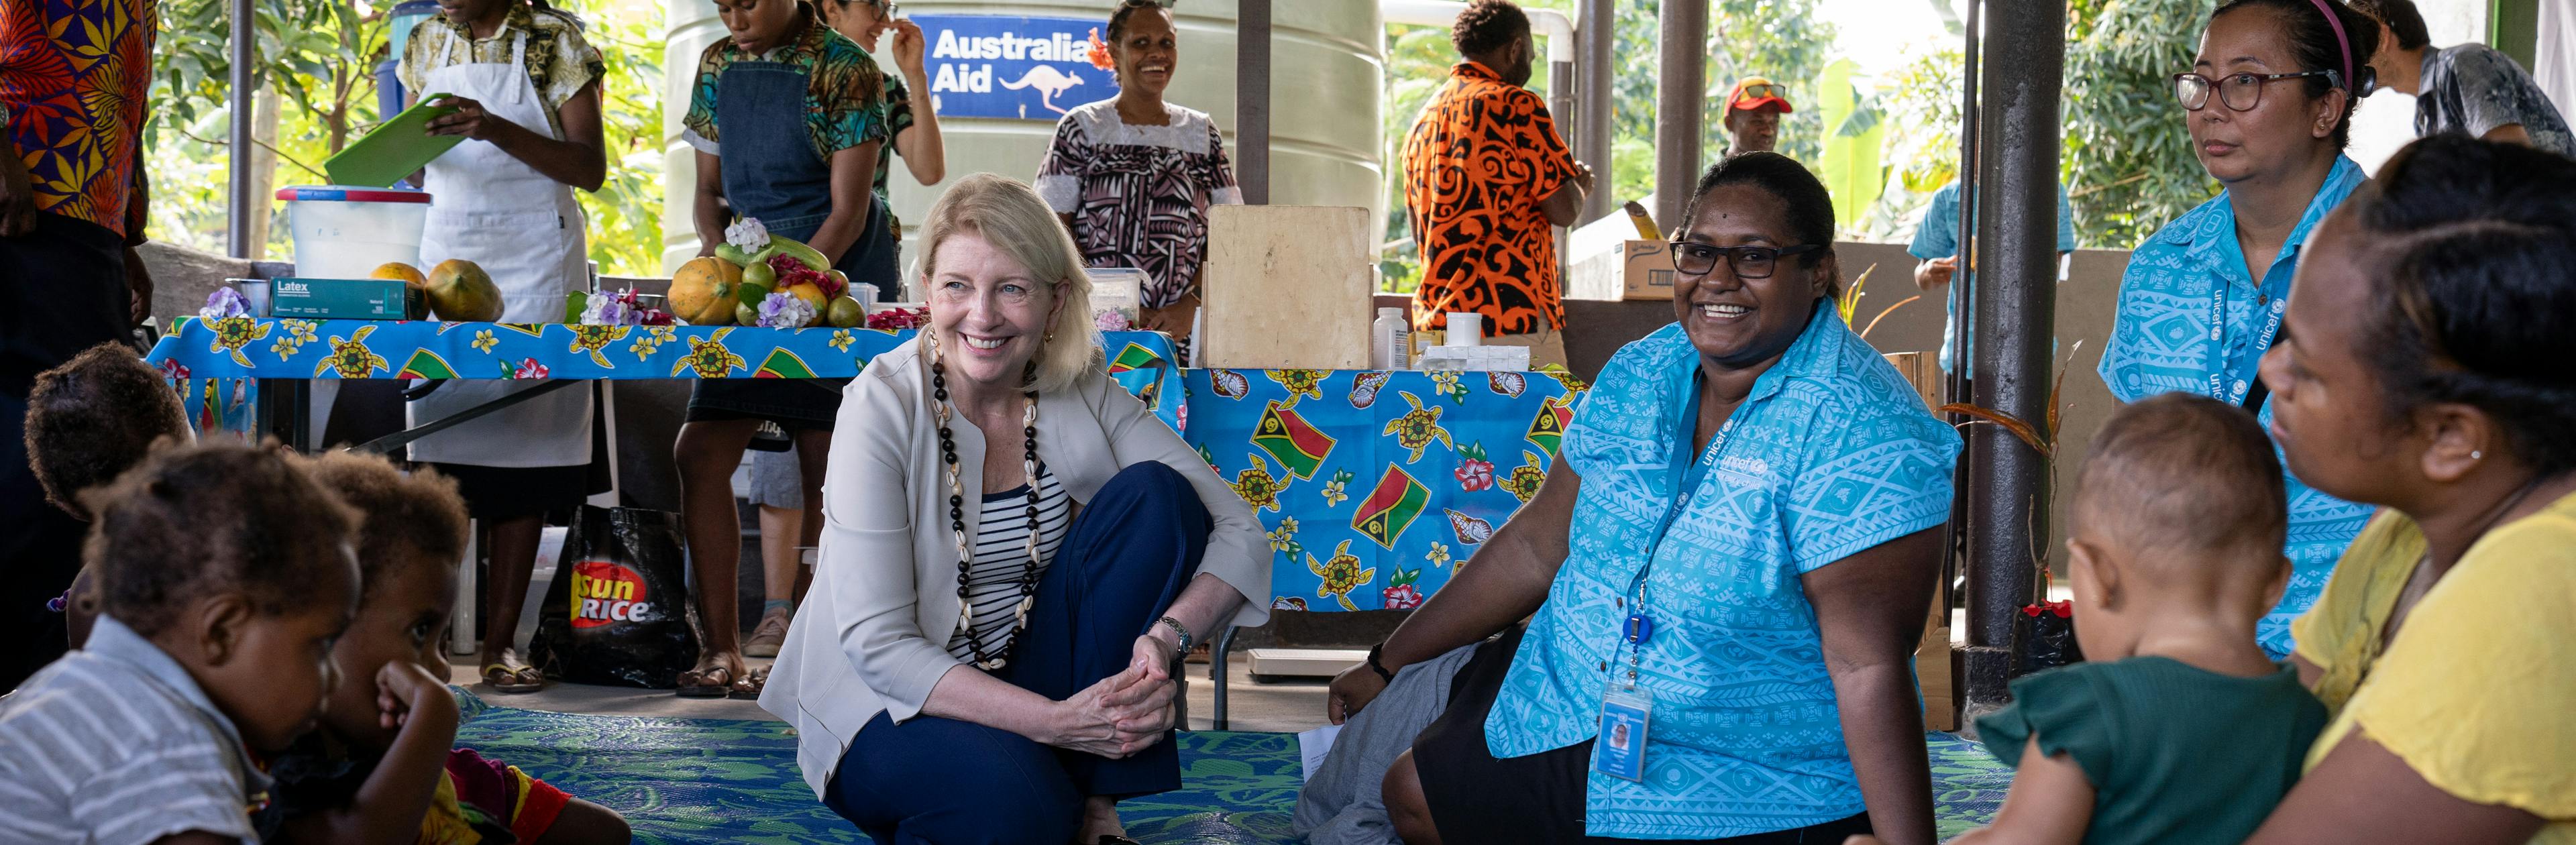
x,y
1049,82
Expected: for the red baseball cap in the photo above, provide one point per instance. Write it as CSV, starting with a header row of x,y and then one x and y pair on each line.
x,y
1753,92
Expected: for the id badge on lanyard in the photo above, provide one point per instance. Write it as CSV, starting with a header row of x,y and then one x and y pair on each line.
x,y
2224,386
1627,708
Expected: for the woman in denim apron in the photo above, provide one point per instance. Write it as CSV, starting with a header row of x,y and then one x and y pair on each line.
x,y
788,120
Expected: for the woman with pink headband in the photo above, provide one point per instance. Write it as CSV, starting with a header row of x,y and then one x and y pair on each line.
x,y
2269,102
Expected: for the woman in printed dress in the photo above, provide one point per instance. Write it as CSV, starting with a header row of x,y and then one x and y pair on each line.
x,y
1133,175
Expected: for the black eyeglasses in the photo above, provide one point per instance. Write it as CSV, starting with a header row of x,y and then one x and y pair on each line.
x,y
2240,91
1749,262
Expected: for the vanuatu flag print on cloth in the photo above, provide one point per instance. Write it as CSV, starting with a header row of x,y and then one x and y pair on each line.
x,y
1547,429
783,364
1392,507
1292,441
425,364
1134,357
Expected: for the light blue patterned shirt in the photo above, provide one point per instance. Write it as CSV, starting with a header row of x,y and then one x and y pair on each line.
x,y
1832,453
2164,340
1937,236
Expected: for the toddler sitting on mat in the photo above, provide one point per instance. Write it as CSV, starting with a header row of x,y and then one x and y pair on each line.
x,y
88,421
223,575
381,767
2182,730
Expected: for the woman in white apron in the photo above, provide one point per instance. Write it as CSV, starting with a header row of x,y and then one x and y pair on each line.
x,y
526,89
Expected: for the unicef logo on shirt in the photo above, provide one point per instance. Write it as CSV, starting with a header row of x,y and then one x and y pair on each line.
x,y
1013,67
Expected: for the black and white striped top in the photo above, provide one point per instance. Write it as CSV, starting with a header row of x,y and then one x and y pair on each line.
x,y
1002,553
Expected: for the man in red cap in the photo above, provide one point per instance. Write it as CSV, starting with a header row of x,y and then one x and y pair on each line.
x,y
1752,117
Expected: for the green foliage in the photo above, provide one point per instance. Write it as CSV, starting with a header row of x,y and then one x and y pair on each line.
x,y
318,58
2128,159
1921,99
1785,40
1853,143
626,213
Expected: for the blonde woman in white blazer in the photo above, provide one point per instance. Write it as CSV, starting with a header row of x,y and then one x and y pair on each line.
x,y
1017,696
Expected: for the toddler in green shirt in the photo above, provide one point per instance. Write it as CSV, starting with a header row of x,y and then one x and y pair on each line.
x,y
2181,731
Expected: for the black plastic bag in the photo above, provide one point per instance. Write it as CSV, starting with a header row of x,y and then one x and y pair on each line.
x,y
2047,637
618,611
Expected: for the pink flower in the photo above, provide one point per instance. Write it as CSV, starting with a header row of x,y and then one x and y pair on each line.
x,y
173,370
1402,597
1474,475
529,368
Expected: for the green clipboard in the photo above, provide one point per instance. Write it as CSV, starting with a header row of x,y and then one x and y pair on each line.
x,y
395,150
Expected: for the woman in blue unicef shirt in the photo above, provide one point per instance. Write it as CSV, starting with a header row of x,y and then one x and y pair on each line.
x,y
2269,103
1728,569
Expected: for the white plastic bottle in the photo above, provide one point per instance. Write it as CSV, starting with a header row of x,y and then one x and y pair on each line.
x,y
1390,340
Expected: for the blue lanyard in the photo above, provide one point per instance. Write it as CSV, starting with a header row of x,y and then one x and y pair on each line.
x,y
1687,473
2224,385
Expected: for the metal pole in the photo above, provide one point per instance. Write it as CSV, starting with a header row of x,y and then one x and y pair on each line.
x,y
2015,313
240,205
1252,101
1563,83
1682,54
1594,33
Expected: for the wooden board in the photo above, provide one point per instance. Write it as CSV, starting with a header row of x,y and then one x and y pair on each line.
x,y
1286,286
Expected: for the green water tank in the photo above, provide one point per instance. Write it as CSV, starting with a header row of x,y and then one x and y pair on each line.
x,y
1327,68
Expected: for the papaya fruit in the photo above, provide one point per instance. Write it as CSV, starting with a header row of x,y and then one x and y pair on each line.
x,y
460,292
704,291
399,271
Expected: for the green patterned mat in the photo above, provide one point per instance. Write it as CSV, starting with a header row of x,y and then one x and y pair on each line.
x,y
725,780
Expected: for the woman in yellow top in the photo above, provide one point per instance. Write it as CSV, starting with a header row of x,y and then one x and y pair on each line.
x,y
2426,372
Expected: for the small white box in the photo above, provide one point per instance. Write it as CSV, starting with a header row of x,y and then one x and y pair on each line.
x,y
1475,359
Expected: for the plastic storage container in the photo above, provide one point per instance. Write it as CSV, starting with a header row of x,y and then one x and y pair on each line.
x,y
346,233
1116,290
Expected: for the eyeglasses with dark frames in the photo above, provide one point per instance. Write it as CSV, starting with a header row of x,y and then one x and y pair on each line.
x,y
2240,91
1749,262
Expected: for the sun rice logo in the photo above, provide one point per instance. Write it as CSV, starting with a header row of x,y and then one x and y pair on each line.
x,y
605,593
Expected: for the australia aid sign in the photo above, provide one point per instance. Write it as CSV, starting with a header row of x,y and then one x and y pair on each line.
x,y
1013,67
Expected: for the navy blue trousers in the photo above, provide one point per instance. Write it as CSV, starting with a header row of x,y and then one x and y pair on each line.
x,y
944,781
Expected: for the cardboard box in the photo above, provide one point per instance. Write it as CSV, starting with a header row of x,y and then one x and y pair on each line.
x,y
346,299
1636,270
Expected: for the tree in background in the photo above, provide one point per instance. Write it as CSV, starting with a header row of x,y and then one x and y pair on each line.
x,y
318,93
1782,39
2128,162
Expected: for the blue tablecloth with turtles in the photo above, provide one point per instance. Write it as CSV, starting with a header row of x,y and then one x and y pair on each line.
x,y
1375,487
217,360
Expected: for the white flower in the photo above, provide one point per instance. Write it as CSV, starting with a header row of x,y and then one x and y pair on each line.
x,y
785,311
749,234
